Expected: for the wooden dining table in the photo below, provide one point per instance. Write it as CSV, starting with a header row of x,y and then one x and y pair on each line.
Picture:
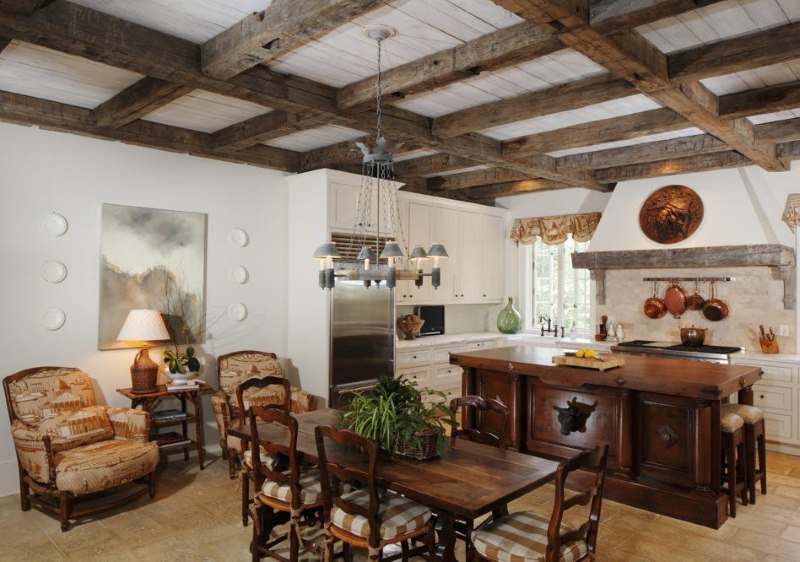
x,y
465,481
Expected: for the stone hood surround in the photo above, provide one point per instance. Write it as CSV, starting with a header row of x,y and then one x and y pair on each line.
x,y
780,258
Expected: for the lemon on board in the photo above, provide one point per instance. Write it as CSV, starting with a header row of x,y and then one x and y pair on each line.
x,y
579,353
589,353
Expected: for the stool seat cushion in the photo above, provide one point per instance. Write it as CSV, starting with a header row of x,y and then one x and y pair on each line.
x,y
399,515
750,414
730,422
522,537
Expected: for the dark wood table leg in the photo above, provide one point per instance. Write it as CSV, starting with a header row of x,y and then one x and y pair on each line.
x,y
746,396
445,525
184,424
197,401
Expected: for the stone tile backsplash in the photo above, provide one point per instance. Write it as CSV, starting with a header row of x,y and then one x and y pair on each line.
x,y
753,298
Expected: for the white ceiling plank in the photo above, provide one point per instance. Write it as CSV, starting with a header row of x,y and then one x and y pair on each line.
x,y
411,154
458,171
311,139
765,13
777,116
44,73
193,20
791,8
453,21
205,111
489,12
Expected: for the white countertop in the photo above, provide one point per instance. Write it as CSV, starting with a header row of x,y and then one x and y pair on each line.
x,y
511,339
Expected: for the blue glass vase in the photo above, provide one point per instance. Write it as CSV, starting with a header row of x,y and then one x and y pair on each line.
x,y
509,320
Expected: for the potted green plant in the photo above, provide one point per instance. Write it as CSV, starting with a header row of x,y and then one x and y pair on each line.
x,y
181,364
402,418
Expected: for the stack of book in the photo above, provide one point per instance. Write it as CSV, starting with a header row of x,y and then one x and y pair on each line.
x,y
183,385
171,438
168,415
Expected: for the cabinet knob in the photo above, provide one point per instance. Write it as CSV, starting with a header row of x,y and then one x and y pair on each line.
x,y
484,294
762,396
413,357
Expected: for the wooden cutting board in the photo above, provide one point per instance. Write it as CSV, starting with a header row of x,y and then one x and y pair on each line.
x,y
606,362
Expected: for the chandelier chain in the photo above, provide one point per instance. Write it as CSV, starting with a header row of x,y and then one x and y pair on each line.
x,y
378,92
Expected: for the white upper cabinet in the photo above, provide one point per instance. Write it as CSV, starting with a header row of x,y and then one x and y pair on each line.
x,y
418,233
494,235
345,204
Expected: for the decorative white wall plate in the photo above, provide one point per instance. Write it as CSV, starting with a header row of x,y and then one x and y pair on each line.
x,y
54,271
239,237
54,224
53,319
237,311
240,274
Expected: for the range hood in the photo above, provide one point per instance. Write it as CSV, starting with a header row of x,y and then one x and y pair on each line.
x,y
780,258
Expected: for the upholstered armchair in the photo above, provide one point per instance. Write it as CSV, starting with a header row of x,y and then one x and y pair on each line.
x,y
235,368
69,448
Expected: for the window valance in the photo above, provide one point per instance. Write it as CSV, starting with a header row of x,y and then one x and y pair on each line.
x,y
554,230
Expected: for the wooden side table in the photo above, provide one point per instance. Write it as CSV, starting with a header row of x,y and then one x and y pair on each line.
x,y
191,395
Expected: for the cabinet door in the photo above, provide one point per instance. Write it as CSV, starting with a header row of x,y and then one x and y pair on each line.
x,y
493,259
470,259
420,233
447,233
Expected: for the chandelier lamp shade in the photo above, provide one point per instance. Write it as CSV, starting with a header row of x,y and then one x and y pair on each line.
x,y
382,255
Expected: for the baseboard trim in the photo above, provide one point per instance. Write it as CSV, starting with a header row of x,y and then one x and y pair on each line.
x,y
9,478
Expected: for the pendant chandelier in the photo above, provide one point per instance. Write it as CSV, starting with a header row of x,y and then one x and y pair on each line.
x,y
384,250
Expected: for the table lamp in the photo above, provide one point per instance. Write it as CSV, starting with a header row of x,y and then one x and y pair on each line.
x,y
143,326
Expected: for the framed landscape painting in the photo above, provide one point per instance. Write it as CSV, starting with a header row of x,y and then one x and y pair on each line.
x,y
155,259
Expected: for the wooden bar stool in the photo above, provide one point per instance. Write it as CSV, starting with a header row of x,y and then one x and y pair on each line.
x,y
733,458
754,444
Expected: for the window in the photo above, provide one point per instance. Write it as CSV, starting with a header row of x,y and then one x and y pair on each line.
x,y
556,291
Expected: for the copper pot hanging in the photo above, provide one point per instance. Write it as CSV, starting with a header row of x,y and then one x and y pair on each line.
x,y
655,307
675,298
695,301
715,309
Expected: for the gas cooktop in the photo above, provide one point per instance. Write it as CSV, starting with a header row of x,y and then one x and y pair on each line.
x,y
719,353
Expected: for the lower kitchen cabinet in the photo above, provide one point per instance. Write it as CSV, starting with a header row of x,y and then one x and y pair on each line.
x,y
778,396
430,367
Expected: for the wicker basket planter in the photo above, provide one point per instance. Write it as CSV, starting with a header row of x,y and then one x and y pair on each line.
x,y
422,448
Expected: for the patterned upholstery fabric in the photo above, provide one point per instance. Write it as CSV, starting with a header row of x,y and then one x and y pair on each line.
x,y
522,537
310,493
730,422
399,515
749,414
95,447
238,368
102,465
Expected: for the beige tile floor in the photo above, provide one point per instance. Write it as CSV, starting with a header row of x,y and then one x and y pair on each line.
x,y
196,516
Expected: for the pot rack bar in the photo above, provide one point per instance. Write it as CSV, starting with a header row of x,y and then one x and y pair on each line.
x,y
698,279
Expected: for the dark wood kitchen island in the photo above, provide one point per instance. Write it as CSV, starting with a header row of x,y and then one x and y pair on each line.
x,y
660,418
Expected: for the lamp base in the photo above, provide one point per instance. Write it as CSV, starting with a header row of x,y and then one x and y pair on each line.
x,y
144,373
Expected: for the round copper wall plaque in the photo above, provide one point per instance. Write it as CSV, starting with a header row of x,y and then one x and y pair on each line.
x,y
671,214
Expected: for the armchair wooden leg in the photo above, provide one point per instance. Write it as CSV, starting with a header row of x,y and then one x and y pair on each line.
x,y
63,499
151,482
232,464
245,498
24,492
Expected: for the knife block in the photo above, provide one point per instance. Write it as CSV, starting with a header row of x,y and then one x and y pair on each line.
x,y
768,346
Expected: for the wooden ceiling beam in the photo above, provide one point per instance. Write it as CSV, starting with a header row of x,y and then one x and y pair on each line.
x,y
780,131
511,188
700,163
643,153
608,15
137,100
23,7
26,110
476,178
789,150
595,132
769,99
494,51
564,97
263,128
779,44
327,156
282,27
435,163
84,32
632,57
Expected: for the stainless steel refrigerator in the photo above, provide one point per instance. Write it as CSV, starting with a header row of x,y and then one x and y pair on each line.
x,y
362,338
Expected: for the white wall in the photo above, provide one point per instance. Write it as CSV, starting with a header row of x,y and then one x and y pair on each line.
x,y
43,171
